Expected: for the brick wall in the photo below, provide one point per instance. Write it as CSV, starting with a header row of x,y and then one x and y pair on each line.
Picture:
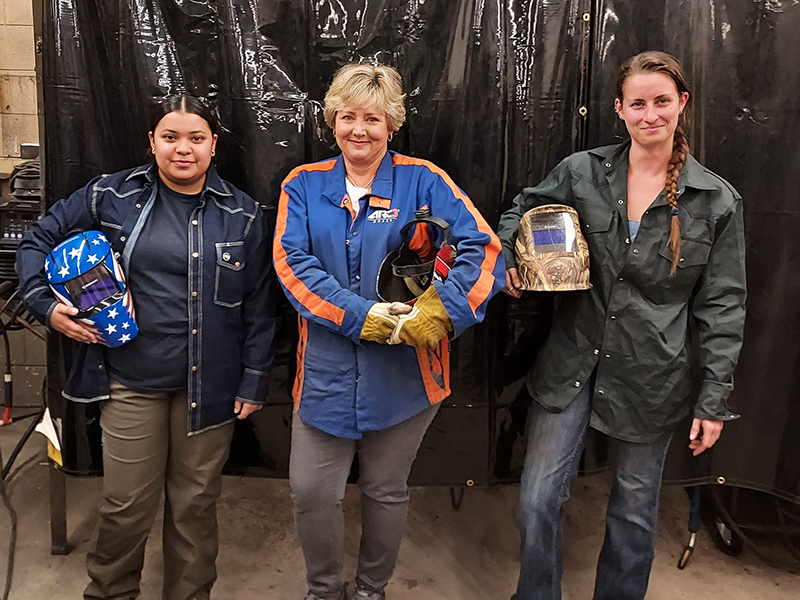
x,y
19,124
18,120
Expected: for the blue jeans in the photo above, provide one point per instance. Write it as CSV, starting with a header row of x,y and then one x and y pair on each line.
x,y
555,442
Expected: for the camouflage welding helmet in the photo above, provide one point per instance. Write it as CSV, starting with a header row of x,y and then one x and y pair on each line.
x,y
552,254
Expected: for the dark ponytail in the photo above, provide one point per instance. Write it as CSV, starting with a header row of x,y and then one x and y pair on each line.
x,y
183,103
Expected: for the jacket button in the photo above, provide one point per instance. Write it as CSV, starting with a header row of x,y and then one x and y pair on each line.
x,y
194,221
627,240
138,206
194,404
577,384
355,233
621,279
122,238
194,331
613,317
347,242
358,277
621,201
636,251
195,254
194,368
608,164
194,294
596,351
608,356
681,259
601,393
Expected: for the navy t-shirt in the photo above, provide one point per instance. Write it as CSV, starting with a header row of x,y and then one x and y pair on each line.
x,y
158,275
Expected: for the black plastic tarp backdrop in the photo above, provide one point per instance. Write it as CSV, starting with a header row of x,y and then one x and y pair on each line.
x,y
498,92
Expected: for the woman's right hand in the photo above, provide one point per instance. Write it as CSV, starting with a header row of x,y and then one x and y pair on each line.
x,y
513,284
61,320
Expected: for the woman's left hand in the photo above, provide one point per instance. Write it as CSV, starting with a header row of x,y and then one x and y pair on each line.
x,y
243,409
704,434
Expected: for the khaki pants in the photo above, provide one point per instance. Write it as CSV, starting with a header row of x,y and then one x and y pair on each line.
x,y
146,449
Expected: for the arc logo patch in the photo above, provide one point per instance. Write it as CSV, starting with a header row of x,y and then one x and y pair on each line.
x,y
384,216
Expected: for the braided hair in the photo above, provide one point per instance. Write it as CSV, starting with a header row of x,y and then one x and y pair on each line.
x,y
680,150
660,62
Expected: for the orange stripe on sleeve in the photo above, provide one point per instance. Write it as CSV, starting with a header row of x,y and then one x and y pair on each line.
x,y
483,287
297,389
311,301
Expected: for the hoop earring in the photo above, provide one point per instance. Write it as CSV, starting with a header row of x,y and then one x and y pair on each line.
x,y
153,149
213,153
390,136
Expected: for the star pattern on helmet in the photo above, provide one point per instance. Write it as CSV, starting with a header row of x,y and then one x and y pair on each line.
x,y
111,328
95,242
126,337
63,271
75,253
125,325
112,314
92,258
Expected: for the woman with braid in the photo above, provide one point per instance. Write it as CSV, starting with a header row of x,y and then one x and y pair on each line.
x,y
666,241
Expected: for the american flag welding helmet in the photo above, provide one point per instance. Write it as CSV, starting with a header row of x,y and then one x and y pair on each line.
x,y
83,272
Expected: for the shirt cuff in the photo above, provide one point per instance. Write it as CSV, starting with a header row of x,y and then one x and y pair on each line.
x,y
253,387
711,403
510,258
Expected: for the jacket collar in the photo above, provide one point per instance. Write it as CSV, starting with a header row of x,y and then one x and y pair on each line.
x,y
382,185
692,175
214,183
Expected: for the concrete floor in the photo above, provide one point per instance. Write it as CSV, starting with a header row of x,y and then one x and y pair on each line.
x,y
470,554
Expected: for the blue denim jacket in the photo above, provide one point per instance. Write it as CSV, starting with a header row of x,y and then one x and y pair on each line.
x,y
231,299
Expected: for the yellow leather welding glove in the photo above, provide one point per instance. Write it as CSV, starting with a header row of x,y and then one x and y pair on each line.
x,y
426,324
381,321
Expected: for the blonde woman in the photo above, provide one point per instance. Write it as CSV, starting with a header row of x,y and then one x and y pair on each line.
x,y
370,373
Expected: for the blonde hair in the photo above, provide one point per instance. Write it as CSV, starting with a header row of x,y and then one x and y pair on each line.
x,y
364,86
661,62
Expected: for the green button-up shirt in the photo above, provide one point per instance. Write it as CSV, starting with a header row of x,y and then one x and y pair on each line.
x,y
632,325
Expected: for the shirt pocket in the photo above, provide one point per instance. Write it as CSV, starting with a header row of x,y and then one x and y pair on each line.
x,y
692,262
594,219
229,279
694,252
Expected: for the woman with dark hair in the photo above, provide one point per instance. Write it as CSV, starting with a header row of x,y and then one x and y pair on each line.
x,y
196,252
666,241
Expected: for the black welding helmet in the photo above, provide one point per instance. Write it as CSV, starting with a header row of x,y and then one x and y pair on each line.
x,y
423,256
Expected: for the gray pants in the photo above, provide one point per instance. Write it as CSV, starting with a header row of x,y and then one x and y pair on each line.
x,y
146,451
318,470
